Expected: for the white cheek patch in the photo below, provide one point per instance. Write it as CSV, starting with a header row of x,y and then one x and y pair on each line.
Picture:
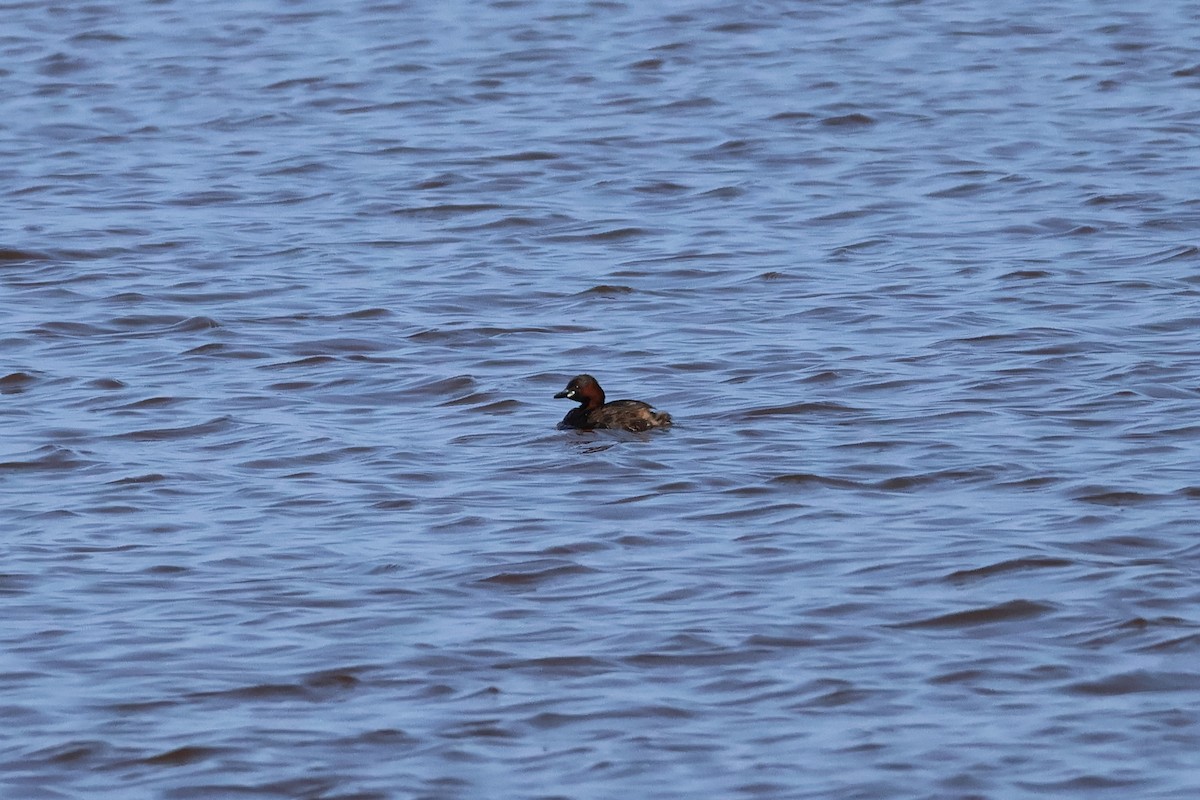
x,y
570,394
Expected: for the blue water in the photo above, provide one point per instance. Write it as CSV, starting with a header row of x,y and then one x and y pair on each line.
x,y
286,290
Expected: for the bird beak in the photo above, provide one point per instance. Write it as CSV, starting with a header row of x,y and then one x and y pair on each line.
x,y
567,393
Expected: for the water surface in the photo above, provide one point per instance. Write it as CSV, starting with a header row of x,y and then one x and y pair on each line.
x,y
286,289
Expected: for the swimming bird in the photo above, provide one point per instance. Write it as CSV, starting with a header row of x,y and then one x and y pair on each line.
x,y
593,412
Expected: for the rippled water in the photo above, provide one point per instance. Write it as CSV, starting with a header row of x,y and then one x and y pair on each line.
x,y
286,289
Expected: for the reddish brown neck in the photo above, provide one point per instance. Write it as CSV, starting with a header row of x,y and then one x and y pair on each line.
x,y
591,395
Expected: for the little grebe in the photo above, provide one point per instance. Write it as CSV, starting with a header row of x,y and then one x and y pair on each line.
x,y
593,412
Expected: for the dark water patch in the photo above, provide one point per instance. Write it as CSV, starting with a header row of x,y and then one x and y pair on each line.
x,y
1181,253
528,155
134,707
263,692
574,548
559,666
480,729
515,222
855,120
1148,635
167,569
138,480
836,694
850,215
698,103
128,298
1131,199
293,386
368,314
442,181
1065,349
338,679
197,293
606,290
551,720
187,754
1187,643
1104,496
876,445
1011,611
647,64
103,36
807,479
609,235
859,247
395,504
207,198
73,753
198,431
638,541
224,351
16,382
534,574
303,363
12,584
1007,567
741,27
961,190
502,407
732,147
1084,784
814,408
441,388
302,168
907,483
823,377
793,116
69,255
662,187
1137,682
446,210
80,330
11,254
1118,545
458,337
1172,325
283,789
783,510
167,324
49,459
151,402
60,65
296,460
354,346
781,642
724,193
